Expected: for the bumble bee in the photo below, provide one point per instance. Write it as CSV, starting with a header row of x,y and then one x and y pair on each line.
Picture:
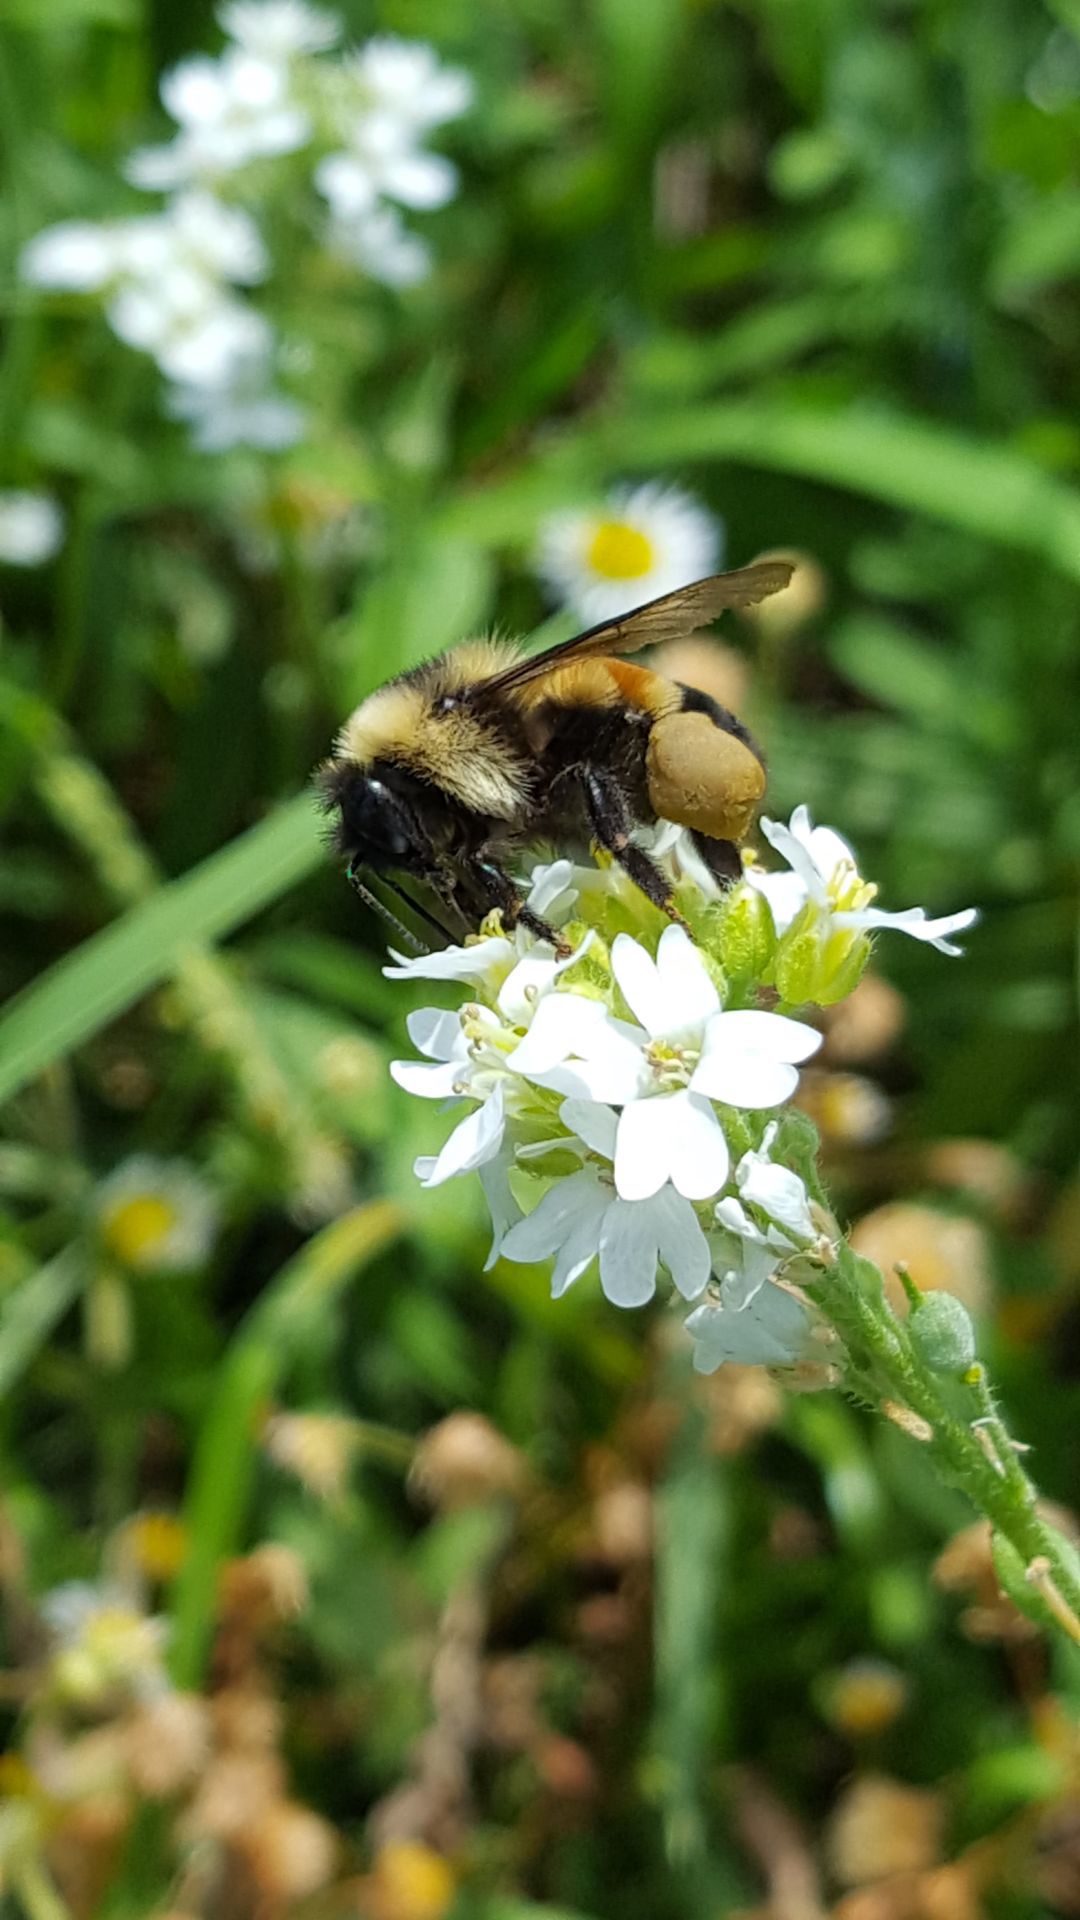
x,y
446,771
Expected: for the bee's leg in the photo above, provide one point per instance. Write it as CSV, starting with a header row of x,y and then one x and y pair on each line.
x,y
612,823
500,891
722,857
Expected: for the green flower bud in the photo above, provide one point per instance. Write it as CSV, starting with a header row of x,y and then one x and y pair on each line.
x,y
817,962
744,935
798,962
942,1334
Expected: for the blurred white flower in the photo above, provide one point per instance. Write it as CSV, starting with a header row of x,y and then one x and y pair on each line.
x,y
75,256
644,541
384,165
197,334
382,246
278,30
156,1216
230,111
406,80
104,1644
31,528
775,1328
246,413
666,1071
824,872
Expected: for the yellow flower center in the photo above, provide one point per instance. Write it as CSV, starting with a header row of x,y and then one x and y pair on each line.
x,y
848,891
137,1227
620,552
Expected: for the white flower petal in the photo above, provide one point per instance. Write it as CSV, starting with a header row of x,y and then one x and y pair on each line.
x,y
697,1151
502,1206
914,921
641,1156
792,844
476,1139
627,1255
420,180
681,1243
593,1123
551,887
684,978
428,1082
640,984
774,1330
773,1036
779,1192
482,963
744,1080
561,1210
785,894
436,1033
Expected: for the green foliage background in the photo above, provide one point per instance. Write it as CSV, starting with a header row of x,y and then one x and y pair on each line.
x,y
859,342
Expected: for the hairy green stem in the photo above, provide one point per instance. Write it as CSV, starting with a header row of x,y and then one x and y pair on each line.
x,y
955,1417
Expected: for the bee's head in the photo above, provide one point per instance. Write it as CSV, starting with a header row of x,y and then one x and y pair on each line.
x,y
378,822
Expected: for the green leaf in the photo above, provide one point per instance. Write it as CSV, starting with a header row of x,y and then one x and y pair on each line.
x,y
93,985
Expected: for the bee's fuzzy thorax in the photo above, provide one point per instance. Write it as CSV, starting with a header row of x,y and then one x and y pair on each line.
x,y
454,748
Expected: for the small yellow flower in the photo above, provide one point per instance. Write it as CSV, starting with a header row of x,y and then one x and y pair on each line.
x,y
410,1881
156,1216
865,1697
153,1545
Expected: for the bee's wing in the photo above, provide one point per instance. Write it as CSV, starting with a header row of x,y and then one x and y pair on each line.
x,y
668,618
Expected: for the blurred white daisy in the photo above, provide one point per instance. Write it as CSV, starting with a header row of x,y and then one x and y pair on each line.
x,y
31,528
643,542
278,30
104,1644
156,1216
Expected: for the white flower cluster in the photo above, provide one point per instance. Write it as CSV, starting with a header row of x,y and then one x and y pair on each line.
x,y
173,281
623,1108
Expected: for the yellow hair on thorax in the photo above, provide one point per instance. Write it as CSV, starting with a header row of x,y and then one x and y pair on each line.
x,y
455,750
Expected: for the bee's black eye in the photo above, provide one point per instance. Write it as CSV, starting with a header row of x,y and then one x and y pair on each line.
x,y
375,820
446,703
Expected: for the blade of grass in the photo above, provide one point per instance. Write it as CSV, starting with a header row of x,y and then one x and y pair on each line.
x,y
984,488
117,966
32,1310
219,1485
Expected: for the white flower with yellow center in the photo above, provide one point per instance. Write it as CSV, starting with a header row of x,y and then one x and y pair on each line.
x,y
824,873
665,1068
156,1216
643,542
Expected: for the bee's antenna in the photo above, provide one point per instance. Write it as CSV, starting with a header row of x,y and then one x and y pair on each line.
x,y
378,906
